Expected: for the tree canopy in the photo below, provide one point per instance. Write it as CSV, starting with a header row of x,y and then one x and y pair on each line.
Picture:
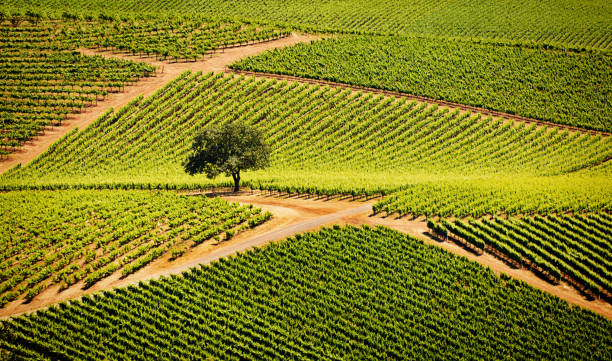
x,y
227,149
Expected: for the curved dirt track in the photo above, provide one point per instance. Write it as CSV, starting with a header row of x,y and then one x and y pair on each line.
x,y
291,216
147,86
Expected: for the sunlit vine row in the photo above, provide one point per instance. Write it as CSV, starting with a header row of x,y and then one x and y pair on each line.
x,y
44,79
329,141
572,248
570,23
555,86
41,83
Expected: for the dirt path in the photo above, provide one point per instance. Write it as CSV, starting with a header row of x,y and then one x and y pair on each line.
x,y
147,86
290,217
418,228
293,216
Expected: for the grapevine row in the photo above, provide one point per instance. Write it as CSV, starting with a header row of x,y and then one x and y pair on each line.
x,y
83,236
575,25
576,248
551,86
44,79
330,141
356,293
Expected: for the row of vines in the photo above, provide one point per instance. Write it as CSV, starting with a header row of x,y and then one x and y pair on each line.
x,y
561,87
83,236
576,249
344,293
331,141
44,79
572,24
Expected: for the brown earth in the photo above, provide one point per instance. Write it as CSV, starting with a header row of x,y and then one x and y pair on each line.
x,y
147,86
291,216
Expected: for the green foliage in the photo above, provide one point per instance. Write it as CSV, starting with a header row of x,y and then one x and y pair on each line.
x,y
227,149
68,236
561,87
171,38
437,228
176,253
44,79
229,234
577,246
563,23
330,141
499,195
356,294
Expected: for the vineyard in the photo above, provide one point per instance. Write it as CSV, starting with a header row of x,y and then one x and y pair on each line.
x,y
44,78
83,236
561,87
571,24
439,174
373,144
177,38
42,82
570,248
343,293
499,195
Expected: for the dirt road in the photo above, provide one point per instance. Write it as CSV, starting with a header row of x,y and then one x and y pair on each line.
x,y
293,216
168,71
418,228
290,217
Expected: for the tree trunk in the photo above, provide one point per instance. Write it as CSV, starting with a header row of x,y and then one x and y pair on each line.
x,y
236,177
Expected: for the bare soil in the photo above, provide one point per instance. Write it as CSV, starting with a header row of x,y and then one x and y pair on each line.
x,y
418,228
147,86
291,216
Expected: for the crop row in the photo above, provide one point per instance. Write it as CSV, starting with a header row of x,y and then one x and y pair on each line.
x,y
71,236
343,293
554,86
575,248
42,85
44,79
573,24
174,39
327,141
500,195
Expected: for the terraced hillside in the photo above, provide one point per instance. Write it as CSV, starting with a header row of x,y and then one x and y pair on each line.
x,y
329,141
344,293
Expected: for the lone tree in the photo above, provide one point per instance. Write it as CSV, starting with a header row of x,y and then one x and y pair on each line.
x,y
227,149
